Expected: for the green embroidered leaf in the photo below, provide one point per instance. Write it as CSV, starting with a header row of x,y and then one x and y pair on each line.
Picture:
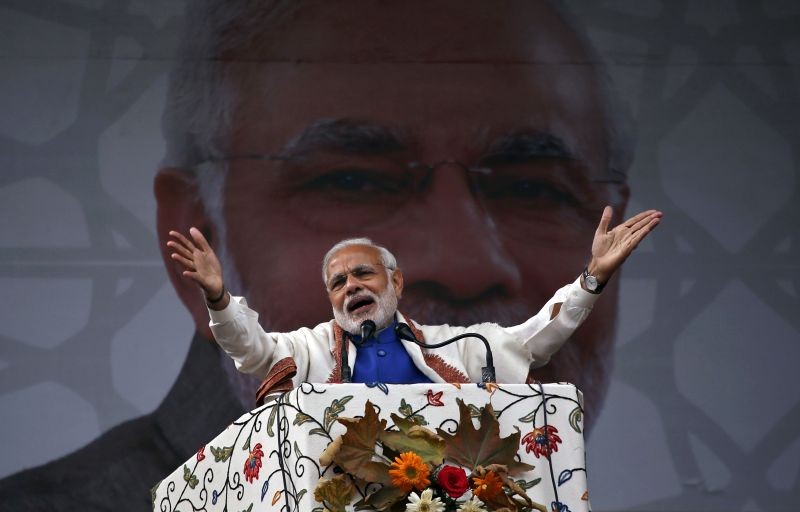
x,y
221,454
418,419
189,478
474,411
297,452
249,509
271,421
575,419
334,410
483,446
525,484
528,418
301,418
414,438
318,431
405,409
358,447
301,494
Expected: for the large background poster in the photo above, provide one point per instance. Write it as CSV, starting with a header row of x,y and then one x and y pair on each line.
x,y
702,409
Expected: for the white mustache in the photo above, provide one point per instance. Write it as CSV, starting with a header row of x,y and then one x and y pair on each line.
x,y
359,297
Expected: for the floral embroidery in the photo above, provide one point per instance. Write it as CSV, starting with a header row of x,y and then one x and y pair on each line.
x,y
253,463
442,458
557,506
434,399
542,441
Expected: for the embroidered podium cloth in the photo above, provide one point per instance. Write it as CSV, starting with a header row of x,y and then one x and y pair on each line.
x,y
268,459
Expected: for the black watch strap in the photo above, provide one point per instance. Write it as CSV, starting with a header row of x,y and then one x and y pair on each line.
x,y
591,283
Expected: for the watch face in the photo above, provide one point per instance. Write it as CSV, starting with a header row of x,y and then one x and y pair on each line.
x,y
591,282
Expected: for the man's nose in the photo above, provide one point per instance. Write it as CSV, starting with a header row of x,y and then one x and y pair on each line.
x,y
455,248
352,285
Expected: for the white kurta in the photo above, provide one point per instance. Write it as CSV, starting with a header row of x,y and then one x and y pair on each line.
x,y
313,350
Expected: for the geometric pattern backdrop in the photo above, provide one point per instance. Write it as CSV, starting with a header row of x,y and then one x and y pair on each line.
x,y
704,407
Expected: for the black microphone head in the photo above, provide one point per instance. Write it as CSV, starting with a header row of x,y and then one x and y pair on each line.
x,y
404,332
367,330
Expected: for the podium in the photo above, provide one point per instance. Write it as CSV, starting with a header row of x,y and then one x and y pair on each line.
x,y
269,459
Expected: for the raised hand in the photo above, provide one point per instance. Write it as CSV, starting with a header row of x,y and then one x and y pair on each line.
x,y
199,262
611,248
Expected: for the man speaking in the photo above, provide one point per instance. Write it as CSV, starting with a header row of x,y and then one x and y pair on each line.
x,y
364,283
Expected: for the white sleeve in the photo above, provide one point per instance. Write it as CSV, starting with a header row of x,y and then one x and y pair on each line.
x,y
238,332
542,336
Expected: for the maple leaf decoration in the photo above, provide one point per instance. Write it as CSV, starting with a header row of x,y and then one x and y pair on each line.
x,y
483,446
358,447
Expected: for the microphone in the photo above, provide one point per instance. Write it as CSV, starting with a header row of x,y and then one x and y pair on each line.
x,y
404,332
367,330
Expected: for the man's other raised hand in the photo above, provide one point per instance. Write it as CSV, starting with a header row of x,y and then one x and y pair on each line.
x,y
200,264
611,247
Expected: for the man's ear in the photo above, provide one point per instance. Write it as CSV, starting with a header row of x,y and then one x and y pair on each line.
x,y
179,208
397,281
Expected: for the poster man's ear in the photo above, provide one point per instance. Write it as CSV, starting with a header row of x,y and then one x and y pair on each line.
x,y
179,208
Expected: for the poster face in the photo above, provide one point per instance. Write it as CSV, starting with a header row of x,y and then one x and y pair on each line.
x,y
478,141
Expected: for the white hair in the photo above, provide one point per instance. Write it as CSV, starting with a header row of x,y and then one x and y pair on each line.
x,y
387,259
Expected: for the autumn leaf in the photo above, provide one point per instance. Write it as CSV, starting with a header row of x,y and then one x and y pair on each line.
x,y
483,446
358,447
335,493
330,451
381,500
414,438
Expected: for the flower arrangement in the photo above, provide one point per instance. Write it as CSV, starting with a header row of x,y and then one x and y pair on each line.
x,y
412,468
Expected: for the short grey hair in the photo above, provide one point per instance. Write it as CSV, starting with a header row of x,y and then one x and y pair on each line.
x,y
388,260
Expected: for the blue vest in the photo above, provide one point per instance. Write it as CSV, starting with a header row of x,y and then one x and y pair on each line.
x,y
383,359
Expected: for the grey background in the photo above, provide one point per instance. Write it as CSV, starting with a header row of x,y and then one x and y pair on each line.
x,y
704,408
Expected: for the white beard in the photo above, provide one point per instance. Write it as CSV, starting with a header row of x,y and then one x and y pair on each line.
x,y
386,307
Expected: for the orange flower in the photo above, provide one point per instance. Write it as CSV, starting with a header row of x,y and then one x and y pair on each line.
x,y
409,471
487,487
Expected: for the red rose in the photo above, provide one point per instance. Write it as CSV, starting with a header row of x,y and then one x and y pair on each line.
x,y
453,481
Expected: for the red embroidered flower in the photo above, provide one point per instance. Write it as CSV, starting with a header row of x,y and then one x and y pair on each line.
x,y
453,481
200,454
434,399
253,463
542,441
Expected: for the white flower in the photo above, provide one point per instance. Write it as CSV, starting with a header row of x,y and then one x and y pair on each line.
x,y
425,502
473,505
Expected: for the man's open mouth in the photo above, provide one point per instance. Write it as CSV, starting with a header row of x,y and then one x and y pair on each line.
x,y
360,304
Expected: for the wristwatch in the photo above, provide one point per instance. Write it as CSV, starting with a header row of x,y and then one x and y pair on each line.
x,y
591,283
